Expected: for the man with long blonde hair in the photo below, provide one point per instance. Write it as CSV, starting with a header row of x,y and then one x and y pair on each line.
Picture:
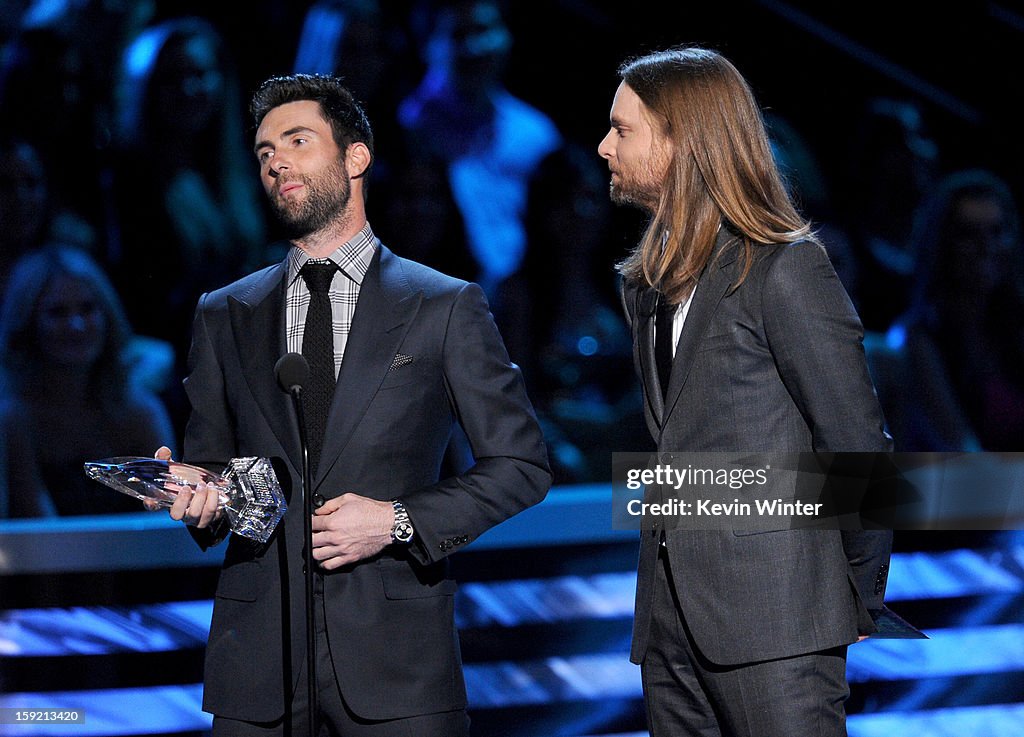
x,y
745,341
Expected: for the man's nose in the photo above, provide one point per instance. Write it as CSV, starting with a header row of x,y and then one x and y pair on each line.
x,y
604,148
279,164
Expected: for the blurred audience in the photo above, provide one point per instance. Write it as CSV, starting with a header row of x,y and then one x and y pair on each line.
x,y
892,164
69,393
28,214
418,216
56,74
808,186
355,40
191,218
490,141
951,369
564,324
11,13
472,180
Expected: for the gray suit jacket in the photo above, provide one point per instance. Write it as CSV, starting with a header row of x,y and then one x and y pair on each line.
x,y
776,365
390,618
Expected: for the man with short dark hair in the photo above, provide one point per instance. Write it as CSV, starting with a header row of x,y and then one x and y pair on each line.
x,y
744,341
398,354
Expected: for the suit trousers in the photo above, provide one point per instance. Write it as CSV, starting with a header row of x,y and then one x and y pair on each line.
x,y
336,719
687,695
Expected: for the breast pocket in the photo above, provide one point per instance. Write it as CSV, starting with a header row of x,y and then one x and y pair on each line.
x,y
716,342
416,371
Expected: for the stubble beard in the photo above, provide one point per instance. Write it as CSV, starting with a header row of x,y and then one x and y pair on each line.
x,y
324,207
630,193
643,192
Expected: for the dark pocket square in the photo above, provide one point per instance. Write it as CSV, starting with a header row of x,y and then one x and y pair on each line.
x,y
400,360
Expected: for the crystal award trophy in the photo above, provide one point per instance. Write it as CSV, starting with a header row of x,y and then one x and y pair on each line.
x,y
250,495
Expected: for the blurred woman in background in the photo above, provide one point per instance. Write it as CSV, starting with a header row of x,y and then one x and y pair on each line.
x,y
961,344
69,390
190,212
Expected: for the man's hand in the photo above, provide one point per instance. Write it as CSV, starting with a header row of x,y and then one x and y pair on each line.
x,y
350,528
198,507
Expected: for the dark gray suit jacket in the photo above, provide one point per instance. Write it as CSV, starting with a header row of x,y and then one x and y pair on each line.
x,y
390,618
776,365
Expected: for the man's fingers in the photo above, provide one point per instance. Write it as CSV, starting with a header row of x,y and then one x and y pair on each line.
x,y
163,453
198,507
210,507
196,514
325,538
338,562
330,505
334,556
325,552
180,507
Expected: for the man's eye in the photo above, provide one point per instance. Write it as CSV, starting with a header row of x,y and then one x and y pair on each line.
x,y
264,156
300,141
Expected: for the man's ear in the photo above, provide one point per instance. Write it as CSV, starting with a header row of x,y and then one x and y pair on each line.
x,y
357,159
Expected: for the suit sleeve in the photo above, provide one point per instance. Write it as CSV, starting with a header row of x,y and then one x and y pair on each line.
x,y
209,436
816,340
489,399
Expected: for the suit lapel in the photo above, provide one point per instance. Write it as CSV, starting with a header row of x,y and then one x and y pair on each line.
x,y
386,308
646,310
714,282
257,322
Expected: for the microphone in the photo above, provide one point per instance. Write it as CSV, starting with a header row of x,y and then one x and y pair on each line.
x,y
292,372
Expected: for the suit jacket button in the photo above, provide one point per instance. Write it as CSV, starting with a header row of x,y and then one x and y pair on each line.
x,y
465,539
318,500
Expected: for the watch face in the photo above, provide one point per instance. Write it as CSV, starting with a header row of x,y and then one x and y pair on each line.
x,y
403,532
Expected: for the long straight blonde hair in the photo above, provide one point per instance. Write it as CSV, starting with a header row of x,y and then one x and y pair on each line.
x,y
721,170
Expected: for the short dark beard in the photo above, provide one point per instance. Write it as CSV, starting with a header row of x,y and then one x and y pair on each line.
x,y
327,197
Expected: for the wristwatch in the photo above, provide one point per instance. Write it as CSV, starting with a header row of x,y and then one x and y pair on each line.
x,y
401,531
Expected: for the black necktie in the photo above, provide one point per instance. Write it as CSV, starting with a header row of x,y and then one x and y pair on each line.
x,y
663,342
318,350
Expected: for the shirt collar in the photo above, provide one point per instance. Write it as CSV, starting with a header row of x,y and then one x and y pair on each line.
x,y
352,258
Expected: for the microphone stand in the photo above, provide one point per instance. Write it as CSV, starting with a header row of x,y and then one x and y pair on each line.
x,y
307,564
